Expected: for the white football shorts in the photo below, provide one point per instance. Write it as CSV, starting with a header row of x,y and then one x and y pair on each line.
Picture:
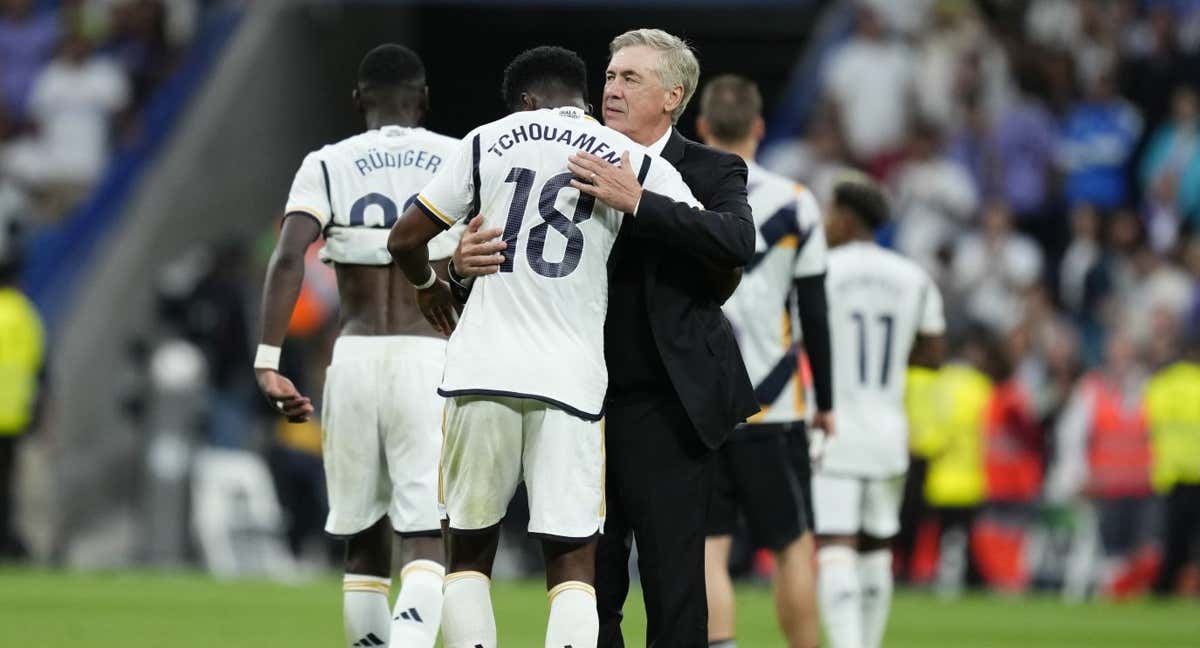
x,y
381,417
848,505
493,442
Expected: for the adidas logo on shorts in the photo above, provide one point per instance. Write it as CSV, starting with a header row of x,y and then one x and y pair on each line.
x,y
409,615
369,641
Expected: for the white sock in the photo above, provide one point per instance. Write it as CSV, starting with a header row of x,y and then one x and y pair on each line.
x,y
418,611
467,617
840,595
875,577
365,610
574,622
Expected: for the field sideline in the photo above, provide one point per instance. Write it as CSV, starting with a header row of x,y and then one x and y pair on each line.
x,y
42,608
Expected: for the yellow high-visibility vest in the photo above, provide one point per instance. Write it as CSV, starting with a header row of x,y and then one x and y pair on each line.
x,y
954,437
21,355
1173,414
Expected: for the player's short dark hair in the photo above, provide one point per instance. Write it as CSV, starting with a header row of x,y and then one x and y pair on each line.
x,y
859,195
540,68
730,104
391,66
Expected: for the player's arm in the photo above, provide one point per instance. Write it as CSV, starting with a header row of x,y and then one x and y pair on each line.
x,y
285,276
408,244
929,349
722,234
812,304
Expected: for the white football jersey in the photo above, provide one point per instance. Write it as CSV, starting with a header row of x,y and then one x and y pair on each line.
x,y
789,244
536,328
358,187
879,302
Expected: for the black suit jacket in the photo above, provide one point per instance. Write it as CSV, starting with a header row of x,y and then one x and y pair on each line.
x,y
687,271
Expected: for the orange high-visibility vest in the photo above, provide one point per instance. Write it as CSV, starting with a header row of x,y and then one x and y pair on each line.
x,y
1119,443
1012,453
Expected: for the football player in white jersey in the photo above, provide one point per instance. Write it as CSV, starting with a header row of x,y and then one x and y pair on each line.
x,y
763,469
885,314
525,370
380,415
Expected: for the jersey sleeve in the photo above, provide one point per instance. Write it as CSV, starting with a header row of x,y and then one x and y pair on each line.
x,y
449,196
811,259
310,191
662,178
933,320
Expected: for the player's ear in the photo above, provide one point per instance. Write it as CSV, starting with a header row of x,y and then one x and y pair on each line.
x,y
356,98
528,101
590,110
702,128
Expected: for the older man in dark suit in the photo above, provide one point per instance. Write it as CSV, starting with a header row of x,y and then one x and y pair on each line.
x,y
677,384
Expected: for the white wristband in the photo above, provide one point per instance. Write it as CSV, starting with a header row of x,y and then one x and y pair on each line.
x,y
430,281
267,357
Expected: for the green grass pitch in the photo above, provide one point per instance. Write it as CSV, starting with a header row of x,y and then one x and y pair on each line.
x,y
182,610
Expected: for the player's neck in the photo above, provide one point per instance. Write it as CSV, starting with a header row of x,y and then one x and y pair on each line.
x,y
746,150
405,119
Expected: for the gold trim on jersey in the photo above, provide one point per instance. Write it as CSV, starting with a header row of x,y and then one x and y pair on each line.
x,y
570,585
366,586
436,212
315,213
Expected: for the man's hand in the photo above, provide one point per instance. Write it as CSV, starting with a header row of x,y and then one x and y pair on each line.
x,y
615,186
439,306
479,251
283,396
820,433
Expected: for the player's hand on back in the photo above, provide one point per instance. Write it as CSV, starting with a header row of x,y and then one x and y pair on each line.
x,y
283,395
439,306
615,186
480,250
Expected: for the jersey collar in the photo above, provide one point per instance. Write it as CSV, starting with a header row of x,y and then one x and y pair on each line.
x,y
571,111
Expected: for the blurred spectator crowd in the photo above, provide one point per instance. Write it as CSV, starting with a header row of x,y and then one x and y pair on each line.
x,y
74,75
1043,160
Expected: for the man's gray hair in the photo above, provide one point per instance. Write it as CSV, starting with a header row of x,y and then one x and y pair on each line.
x,y
677,65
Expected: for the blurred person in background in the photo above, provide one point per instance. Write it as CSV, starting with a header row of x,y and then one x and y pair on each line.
x,y
994,269
28,37
1102,453
72,106
949,430
1173,415
22,364
885,315
1083,281
1012,453
1156,60
817,159
1025,134
959,60
1170,173
1097,138
869,80
756,472
379,412
936,199
140,43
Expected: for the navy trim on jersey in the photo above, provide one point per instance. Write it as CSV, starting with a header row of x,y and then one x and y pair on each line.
x,y
779,225
476,203
645,170
768,391
577,413
328,190
431,216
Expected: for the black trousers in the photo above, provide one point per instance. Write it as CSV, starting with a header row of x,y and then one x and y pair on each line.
x,y
659,481
1182,534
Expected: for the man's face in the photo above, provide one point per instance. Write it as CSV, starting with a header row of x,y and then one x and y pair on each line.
x,y
635,101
